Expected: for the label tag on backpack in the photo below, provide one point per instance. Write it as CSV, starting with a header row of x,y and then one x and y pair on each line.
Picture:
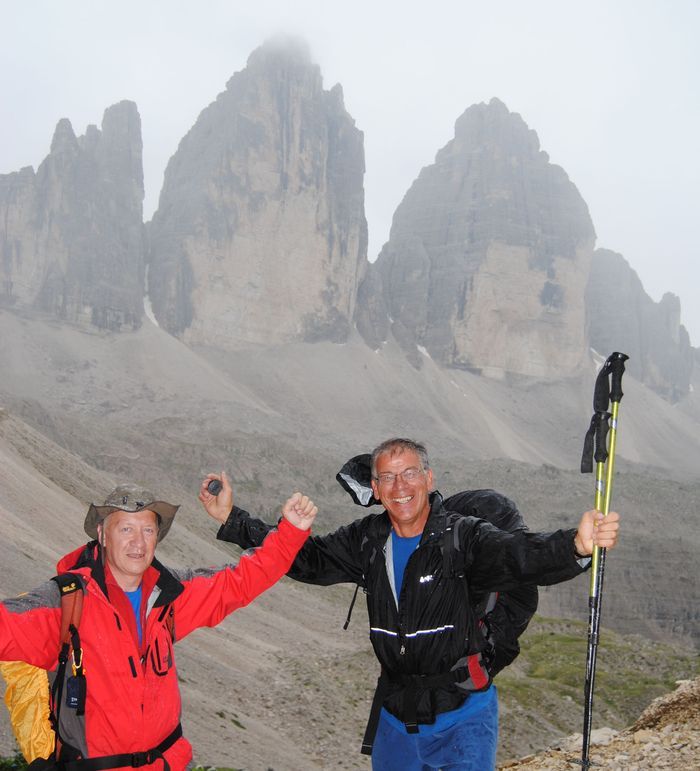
x,y
75,693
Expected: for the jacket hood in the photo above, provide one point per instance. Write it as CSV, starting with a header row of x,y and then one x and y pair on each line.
x,y
356,479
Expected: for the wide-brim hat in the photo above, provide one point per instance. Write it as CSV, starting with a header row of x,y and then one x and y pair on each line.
x,y
132,499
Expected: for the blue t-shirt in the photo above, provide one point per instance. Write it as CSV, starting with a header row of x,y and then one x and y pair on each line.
x,y
135,600
402,549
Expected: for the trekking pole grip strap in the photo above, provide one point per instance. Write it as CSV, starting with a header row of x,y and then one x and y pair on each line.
x,y
595,442
601,437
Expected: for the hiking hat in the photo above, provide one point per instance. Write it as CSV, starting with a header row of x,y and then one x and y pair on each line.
x,y
130,498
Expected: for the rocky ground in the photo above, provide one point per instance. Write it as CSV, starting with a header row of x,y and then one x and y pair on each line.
x,y
666,736
280,685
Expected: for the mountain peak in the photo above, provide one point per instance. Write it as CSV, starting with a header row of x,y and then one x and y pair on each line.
x,y
491,219
281,50
75,231
64,139
264,201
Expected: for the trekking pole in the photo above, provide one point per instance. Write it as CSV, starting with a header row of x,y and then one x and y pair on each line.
x,y
606,392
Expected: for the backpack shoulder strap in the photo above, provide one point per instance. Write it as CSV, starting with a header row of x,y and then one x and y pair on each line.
x,y
453,570
70,585
450,548
368,550
450,545
72,590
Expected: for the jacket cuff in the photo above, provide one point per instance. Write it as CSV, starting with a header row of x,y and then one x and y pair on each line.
x,y
584,562
230,528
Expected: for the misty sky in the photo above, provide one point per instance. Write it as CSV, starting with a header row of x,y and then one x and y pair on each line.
x,y
611,88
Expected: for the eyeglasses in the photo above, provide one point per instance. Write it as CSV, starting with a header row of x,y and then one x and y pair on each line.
x,y
408,475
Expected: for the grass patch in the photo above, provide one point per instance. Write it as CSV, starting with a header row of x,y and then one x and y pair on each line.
x,y
631,671
16,763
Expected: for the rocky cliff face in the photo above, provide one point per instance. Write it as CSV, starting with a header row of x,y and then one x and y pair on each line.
x,y
489,254
260,235
622,317
71,238
260,239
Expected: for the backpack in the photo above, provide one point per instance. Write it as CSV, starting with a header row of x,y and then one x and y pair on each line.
x,y
502,616
33,704
27,701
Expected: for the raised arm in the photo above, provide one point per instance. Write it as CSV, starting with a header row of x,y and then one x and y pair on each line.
x,y
210,594
323,560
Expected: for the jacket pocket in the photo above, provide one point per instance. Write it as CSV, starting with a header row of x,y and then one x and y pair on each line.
x,y
161,655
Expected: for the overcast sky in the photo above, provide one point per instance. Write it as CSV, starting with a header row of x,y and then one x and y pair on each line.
x,y
611,87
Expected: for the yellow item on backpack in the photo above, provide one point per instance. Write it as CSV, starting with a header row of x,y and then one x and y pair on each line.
x,y
27,700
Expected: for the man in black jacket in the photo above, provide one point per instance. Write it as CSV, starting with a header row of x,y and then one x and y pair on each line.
x,y
434,706
503,616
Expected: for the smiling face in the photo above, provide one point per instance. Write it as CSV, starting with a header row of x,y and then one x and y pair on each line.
x,y
406,501
129,540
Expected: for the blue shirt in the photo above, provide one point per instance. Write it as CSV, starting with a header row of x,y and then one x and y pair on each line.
x,y
135,600
402,549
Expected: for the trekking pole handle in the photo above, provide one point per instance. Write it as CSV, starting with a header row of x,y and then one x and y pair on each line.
x,y
617,368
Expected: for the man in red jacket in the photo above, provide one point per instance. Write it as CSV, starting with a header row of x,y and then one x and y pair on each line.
x,y
118,702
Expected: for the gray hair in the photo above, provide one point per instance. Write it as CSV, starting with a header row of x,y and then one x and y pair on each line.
x,y
395,447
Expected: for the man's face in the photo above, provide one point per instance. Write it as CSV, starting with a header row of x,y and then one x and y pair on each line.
x,y
130,540
406,501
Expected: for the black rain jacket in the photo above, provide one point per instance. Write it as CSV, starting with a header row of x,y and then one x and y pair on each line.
x,y
432,627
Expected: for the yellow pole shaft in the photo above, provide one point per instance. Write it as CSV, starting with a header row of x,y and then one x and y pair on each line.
x,y
610,470
598,505
603,490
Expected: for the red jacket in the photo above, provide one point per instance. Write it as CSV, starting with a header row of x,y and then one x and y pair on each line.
x,y
133,697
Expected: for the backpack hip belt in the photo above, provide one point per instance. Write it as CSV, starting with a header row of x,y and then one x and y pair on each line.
x,y
472,677
133,759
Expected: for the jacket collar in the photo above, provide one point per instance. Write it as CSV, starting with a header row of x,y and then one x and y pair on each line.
x,y
169,586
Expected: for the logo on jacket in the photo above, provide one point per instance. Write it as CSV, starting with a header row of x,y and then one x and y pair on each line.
x,y
425,579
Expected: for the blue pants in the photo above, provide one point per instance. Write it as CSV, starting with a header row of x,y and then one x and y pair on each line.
x,y
469,745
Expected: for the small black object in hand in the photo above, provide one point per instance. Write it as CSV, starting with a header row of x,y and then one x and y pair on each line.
x,y
214,487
